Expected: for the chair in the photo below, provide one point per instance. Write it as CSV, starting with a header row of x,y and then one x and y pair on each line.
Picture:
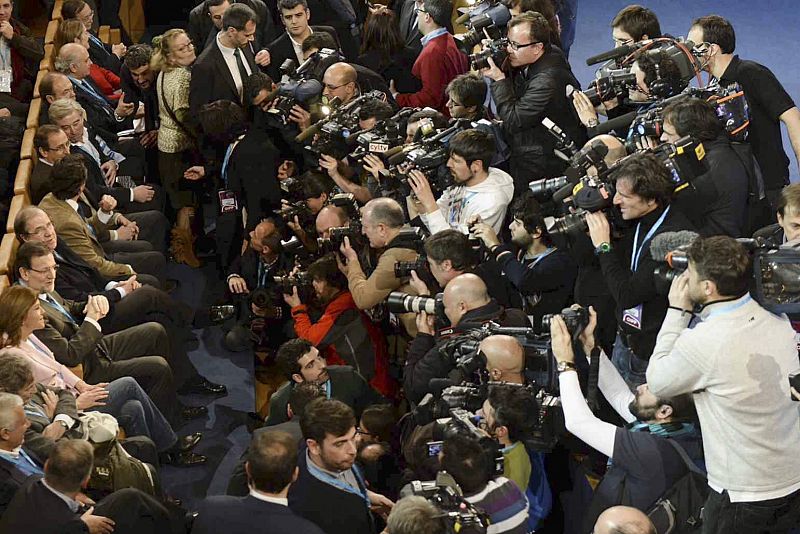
x,y
104,34
57,10
115,36
47,62
8,253
26,150
23,180
17,203
50,34
42,74
34,111
4,283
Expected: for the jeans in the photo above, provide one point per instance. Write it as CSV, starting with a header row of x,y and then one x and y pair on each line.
x,y
136,413
630,367
774,516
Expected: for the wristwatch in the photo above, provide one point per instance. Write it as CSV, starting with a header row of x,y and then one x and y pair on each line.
x,y
602,248
64,424
565,366
592,123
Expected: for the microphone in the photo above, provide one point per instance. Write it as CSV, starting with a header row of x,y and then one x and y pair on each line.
x,y
309,132
621,122
563,139
664,243
615,53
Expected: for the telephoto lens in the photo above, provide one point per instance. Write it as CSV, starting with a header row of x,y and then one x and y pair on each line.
x,y
399,302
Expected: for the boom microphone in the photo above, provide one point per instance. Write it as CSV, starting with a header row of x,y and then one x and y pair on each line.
x,y
664,243
620,51
622,122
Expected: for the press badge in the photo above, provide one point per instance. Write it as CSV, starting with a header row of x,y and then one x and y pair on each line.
x,y
5,81
227,201
633,317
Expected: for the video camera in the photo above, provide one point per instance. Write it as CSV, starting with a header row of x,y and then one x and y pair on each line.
x,y
458,514
557,189
616,83
383,137
487,20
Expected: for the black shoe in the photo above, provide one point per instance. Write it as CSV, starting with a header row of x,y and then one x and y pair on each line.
x,y
193,412
202,386
187,443
183,459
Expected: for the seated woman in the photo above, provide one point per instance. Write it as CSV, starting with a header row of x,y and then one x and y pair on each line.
x,y
341,332
73,31
123,398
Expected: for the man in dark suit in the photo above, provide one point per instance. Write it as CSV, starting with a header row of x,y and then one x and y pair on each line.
x,y
131,303
107,56
17,462
271,468
138,352
409,28
302,362
54,504
220,71
295,16
205,21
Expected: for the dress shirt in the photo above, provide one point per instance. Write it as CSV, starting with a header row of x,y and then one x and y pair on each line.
x,y
346,477
298,47
433,35
233,68
102,215
45,297
22,461
283,501
72,503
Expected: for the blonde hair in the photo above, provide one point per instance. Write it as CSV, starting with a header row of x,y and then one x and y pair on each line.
x,y
162,46
69,31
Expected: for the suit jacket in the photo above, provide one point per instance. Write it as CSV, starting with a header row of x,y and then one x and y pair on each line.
x,y
237,485
95,180
76,278
11,480
37,509
408,26
35,441
202,30
244,515
40,181
74,231
101,54
346,385
281,49
99,112
135,95
212,80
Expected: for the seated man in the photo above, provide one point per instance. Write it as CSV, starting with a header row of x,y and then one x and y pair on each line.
x,y
301,362
467,306
107,56
21,57
55,503
135,351
130,302
63,204
51,145
271,469
343,333
16,460
328,474
54,86
471,466
478,190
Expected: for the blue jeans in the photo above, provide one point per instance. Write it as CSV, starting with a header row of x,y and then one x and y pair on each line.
x,y
630,367
136,413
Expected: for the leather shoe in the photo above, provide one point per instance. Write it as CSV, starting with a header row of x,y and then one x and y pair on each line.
x,y
187,443
203,387
193,412
183,459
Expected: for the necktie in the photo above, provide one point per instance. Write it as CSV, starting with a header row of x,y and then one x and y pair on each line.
x,y
240,64
86,85
54,303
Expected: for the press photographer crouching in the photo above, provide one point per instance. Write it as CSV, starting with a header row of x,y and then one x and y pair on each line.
x,y
467,306
254,293
719,204
656,427
643,194
736,361
344,334
541,273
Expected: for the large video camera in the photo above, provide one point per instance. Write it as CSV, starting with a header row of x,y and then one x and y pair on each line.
x,y
458,515
615,83
383,137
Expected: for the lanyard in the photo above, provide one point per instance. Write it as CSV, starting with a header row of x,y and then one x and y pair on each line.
x,y
542,256
224,171
53,302
5,55
727,309
637,250
336,483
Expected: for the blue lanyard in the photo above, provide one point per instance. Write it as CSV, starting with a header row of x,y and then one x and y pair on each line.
x,y
336,483
727,309
53,302
224,171
637,249
542,256
86,85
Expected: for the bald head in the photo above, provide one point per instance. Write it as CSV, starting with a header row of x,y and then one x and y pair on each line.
x,y
616,149
623,520
505,358
463,293
330,217
341,73
73,59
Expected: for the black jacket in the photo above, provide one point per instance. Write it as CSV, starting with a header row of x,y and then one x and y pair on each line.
x,y
718,203
212,80
95,180
281,49
409,30
75,279
202,30
630,289
523,100
135,95
243,515
343,512
425,362
100,113
101,55
397,67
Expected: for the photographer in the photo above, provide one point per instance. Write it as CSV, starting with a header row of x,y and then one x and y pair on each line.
x,y
414,515
254,270
381,221
543,274
788,211
735,361
316,190
471,466
635,448
479,190
720,200
643,191
330,217
537,88
467,306
342,333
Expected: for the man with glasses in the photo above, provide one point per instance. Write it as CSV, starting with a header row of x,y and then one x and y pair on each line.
x,y
536,88
107,56
51,144
633,24
440,60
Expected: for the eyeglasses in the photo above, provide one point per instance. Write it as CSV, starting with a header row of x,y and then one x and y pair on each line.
x,y
453,104
59,148
51,269
622,42
41,229
419,10
185,47
516,46
359,430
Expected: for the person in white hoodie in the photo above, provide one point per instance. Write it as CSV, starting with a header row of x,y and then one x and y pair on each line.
x,y
479,190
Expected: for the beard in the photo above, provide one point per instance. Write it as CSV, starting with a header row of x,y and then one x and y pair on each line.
x,y
642,413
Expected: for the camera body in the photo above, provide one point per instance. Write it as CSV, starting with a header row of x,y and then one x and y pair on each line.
x,y
336,238
576,320
284,285
613,83
494,49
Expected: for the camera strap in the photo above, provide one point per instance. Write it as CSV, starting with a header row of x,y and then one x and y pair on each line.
x,y
637,249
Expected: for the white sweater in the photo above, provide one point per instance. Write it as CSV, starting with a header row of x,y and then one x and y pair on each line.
x,y
458,204
736,362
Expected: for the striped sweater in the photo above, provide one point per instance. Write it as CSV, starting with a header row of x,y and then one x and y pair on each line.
x,y
505,504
